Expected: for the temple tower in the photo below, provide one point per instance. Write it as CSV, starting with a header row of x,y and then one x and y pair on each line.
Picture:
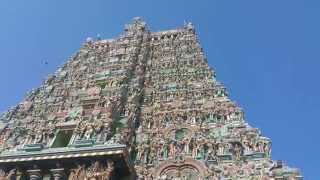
x,y
144,106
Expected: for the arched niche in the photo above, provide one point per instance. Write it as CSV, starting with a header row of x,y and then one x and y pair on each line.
x,y
188,169
180,132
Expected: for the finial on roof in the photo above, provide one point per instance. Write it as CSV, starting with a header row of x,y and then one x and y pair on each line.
x,y
137,25
184,23
137,19
89,39
188,25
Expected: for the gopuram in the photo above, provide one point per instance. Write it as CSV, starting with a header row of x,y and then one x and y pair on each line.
x,y
143,106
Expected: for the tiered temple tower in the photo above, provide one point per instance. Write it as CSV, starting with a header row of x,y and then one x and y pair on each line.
x,y
143,106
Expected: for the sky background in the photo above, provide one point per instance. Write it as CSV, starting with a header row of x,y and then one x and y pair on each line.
x,y
265,52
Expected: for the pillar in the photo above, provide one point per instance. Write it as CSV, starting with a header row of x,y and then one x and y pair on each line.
x,y
58,174
35,174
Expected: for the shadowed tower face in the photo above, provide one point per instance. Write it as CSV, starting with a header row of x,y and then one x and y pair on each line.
x,y
145,105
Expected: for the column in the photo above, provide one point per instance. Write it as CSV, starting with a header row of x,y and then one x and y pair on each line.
x,y
34,174
58,174
19,175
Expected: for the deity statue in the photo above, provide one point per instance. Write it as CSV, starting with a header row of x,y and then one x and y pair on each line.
x,y
140,151
165,150
29,137
38,136
152,155
172,149
94,171
237,151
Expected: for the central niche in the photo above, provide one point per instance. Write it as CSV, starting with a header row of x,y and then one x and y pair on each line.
x,y
180,173
180,134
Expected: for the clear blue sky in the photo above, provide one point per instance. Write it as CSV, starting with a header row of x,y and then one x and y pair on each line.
x,y
265,51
